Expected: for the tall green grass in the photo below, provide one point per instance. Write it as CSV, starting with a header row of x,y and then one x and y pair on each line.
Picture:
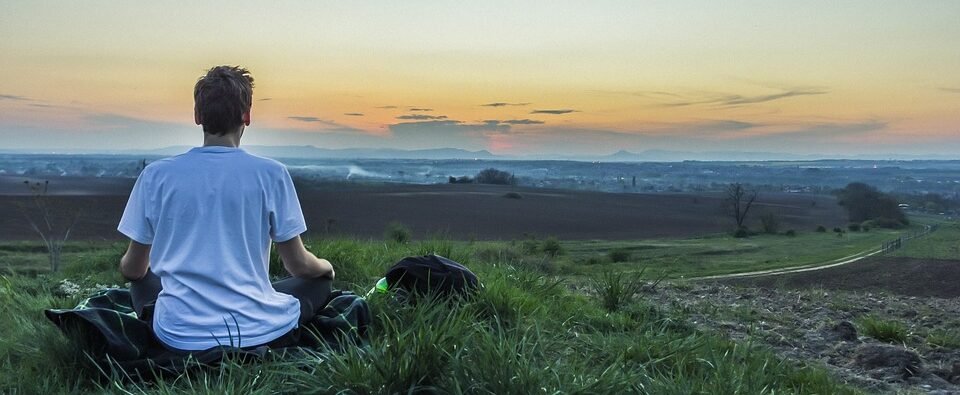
x,y
524,332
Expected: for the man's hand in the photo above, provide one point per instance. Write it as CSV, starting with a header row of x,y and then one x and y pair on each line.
x,y
136,261
302,263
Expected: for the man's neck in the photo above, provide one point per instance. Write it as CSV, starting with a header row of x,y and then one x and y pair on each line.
x,y
226,140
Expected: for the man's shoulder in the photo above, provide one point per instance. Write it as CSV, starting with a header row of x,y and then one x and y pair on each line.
x,y
264,161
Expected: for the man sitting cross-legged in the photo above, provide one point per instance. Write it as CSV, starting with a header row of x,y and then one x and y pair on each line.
x,y
201,224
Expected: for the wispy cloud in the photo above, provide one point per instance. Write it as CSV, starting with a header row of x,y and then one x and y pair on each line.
x,y
387,107
555,112
738,99
307,119
951,90
354,114
14,97
326,122
671,99
448,133
420,109
265,99
514,121
503,104
421,117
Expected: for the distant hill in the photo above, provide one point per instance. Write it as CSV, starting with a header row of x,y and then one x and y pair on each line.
x,y
294,152
655,155
311,152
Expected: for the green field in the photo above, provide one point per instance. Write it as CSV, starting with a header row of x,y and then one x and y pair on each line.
x,y
524,333
942,244
723,254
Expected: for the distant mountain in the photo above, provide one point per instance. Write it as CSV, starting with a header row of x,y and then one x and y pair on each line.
x,y
311,152
744,156
656,155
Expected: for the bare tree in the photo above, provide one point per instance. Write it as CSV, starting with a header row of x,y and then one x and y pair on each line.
x,y
52,222
738,201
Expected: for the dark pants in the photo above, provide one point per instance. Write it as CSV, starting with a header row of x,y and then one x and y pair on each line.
x,y
311,292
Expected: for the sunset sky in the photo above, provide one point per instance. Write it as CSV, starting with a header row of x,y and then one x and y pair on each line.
x,y
511,77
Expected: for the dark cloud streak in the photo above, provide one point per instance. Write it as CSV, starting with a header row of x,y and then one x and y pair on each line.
x,y
503,104
332,124
421,117
514,121
15,98
554,112
725,100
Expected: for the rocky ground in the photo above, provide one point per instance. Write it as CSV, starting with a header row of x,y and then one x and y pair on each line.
x,y
919,353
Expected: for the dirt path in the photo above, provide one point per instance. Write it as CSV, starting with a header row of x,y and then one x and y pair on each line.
x,y
814,266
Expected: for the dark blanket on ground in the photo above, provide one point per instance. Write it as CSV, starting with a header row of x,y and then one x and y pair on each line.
x,y
107,328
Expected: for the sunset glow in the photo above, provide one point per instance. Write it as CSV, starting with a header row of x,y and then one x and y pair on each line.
x,y
515,78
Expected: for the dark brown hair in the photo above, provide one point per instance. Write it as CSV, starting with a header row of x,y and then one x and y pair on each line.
x,y
221,97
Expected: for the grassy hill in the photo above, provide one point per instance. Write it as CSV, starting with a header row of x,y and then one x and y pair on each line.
x,y
525,332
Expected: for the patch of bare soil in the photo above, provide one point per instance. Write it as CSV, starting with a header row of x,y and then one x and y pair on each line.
x,y
461,212
823,327
903,276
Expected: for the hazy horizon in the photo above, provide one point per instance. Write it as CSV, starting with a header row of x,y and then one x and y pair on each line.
x,y
517,79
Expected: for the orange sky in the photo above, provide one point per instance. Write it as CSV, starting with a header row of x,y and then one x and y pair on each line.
x,y
575,78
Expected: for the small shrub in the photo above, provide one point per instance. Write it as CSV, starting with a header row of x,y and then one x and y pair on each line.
x,y
837,230
619,255
551,246
397,232
883,330
886,223
513,195
770,223
494,176
461,180
821,229
741,232
593,260
943,339
790,233
853,227
497,255
530,246
616,289
537,264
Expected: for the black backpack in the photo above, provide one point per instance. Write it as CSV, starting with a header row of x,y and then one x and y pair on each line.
x,y
431,274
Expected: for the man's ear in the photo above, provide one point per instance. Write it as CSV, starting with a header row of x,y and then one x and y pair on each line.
x,y
246,118
196,116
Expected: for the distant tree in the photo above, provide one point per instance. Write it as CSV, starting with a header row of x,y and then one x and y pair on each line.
x,y
770,223
51,221
461,180
494,176
864,202
737,202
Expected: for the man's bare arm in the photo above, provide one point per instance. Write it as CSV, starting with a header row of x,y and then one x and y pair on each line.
x,y
136,261
302,263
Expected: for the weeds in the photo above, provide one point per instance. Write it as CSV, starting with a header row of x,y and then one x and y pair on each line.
x,y
883,330
616,288
619,255
397,233
523,332
943,339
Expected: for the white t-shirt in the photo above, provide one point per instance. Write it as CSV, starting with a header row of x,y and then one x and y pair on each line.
x,y
210,214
